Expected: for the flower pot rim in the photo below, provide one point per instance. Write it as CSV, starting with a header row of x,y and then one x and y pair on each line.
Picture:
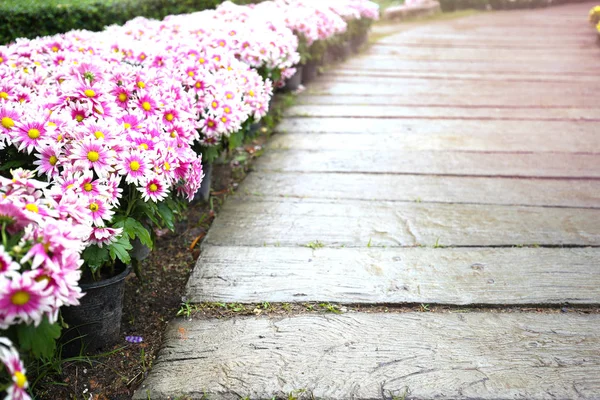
x,y
106,282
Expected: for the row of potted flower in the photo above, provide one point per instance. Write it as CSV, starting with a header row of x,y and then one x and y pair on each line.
x,y
105,135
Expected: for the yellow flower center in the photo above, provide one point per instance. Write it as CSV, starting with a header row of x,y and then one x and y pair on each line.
x,y
20,298
229,96
20,379
215,104
1,60
224,119
79,117
153,187
134,165
53,160
191,73
222,43
32,207
198,85
141,85
144,146
169,117
50,123
59,138
94,207
211,124
251,93
173,134
201,60
142,56
54,49
127,125
227,110
146,106
93,156
89,93
3,95
122,97
99,135
167,166
88,187
7,122
33,133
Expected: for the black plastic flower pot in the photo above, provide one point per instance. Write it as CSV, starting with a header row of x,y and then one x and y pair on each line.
x,y
95,324
295,81
203,194
358,41
309,71
345,51
330,55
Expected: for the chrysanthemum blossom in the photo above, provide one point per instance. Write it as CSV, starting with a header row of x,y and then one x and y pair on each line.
x,y
22,299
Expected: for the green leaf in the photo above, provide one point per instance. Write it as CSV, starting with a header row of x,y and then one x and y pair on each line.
x,y
166,215
120,249
135,229
95,257
40,340
236,139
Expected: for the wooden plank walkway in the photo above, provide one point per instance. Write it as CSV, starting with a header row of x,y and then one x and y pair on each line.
x,y
454,163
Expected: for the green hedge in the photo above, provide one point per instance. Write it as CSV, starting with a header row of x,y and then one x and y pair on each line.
x,y
32,18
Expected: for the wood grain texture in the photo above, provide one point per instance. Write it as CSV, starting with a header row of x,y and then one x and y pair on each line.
x,y
469,99
488,54
455,92
246,221
440,113
424,138
425,188
374,356
560,165
355,74
396,276
502,66
522,132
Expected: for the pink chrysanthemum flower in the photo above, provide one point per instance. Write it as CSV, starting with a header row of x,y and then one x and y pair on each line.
x,y
7,264
13,216
29,135
153,189
99,211
91,154
133,167
22,299
147,105
9,356
105,236
122,96
211,126
48,159
8,119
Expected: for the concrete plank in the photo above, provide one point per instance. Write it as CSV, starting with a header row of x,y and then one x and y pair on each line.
x,y
373,356
426,188
444,112
248,221
515,134
556,66
413,91
467,163
397,136
396,275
